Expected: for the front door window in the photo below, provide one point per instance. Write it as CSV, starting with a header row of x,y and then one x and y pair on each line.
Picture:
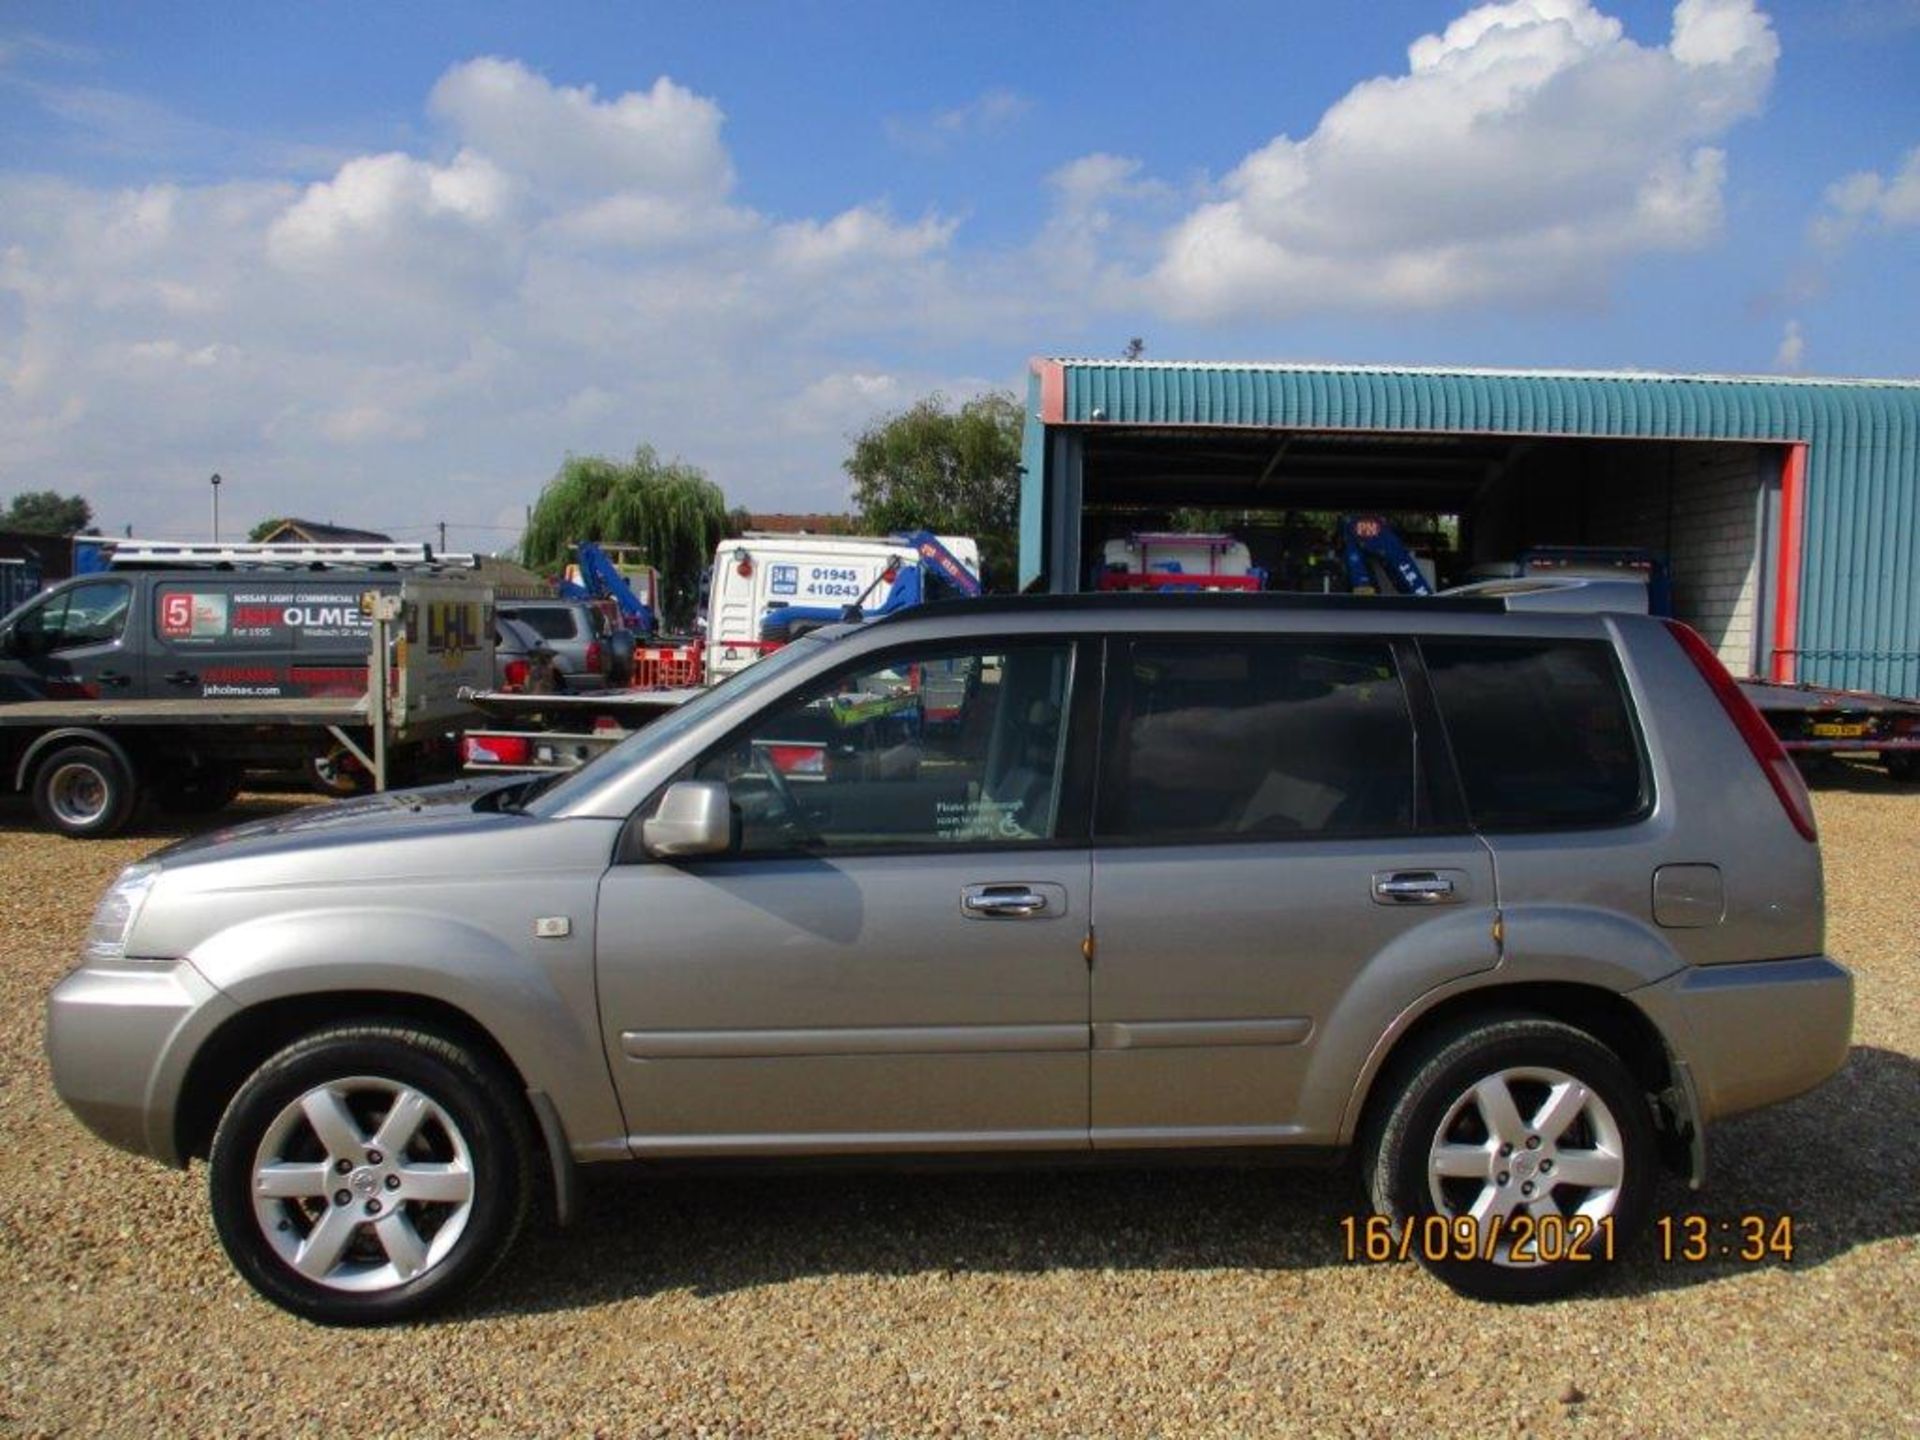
x,y
918,750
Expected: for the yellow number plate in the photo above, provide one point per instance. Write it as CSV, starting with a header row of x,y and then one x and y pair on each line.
x,y
1839,732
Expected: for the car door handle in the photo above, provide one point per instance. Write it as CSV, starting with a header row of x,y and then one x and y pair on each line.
x,y
1414,887
113,677
182,677
1002,902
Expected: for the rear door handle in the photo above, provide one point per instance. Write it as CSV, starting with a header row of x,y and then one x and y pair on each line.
x,y
182,677
1002,902
113,677
1415,887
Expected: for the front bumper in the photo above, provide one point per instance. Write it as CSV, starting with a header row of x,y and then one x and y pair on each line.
x,y
1755,1033
119,1042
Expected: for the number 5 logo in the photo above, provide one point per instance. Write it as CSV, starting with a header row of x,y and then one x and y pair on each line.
x,y
176,613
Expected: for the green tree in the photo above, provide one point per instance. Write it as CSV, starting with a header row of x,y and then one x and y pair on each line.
x,y
670,509
952,471
46,512
265,528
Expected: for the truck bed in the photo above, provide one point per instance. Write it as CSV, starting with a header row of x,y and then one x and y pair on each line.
x,y
300,711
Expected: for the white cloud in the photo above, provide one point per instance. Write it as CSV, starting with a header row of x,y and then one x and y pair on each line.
x,y
1868,200
1528,149
990,113
662,141
860,236
1791,357
551,270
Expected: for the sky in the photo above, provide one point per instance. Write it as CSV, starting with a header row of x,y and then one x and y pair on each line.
x,y
387,265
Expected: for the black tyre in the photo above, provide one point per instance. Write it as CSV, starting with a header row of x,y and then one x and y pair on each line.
x,y
1903,765
620,648
370,1173
1518,1125
84,791
201,790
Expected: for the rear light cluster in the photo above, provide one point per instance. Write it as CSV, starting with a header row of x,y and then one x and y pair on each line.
x,y
516,672
593,657
496,750
1765,746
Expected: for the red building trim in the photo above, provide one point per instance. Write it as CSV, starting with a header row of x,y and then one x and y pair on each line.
x,y
1786,609
1053,391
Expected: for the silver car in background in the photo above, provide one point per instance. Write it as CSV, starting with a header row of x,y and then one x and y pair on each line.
x,y
575,632
1510,905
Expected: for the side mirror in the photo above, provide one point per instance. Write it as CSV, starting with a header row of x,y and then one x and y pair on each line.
x,y
695,817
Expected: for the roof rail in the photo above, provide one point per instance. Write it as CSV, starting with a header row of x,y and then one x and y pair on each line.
x,y
194,552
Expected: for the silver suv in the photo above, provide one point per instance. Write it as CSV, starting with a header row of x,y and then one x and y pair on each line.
x,y
1510,904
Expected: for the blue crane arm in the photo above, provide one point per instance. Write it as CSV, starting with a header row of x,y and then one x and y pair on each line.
x,y
932,559
1363,537
602,580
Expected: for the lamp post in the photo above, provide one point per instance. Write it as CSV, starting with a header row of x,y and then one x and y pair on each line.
x,y
216,508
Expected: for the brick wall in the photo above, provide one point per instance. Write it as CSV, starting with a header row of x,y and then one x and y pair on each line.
x,y
1700,505
1696,503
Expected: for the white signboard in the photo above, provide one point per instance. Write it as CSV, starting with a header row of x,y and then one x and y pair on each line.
x,y
446,643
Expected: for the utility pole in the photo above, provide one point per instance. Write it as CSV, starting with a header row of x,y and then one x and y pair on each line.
x,y
443,537
216,508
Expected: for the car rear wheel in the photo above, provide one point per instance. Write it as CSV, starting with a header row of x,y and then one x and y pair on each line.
x,y
370,1173
1521,1154
1903,765
84,791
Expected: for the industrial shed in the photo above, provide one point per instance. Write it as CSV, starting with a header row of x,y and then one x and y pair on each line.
x,y
1789,509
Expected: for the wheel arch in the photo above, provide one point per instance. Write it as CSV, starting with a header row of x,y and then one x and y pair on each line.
x,y
247,1038
42,745
1606,1015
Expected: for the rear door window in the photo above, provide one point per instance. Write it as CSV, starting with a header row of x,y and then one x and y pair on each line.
x,y
1541,731
1255,739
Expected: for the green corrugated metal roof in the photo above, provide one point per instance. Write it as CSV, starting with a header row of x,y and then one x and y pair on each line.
x,y
1860,600
1628,404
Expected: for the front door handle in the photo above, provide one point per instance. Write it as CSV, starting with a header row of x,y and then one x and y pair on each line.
x,y
113,677
1415,887
1002,902
182,677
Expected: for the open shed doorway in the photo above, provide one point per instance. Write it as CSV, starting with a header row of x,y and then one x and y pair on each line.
x,y
1462,503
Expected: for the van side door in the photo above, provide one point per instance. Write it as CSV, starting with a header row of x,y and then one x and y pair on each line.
x,y
1280,869
81,641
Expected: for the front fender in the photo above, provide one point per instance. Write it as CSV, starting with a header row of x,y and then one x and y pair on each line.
x,y
537,1003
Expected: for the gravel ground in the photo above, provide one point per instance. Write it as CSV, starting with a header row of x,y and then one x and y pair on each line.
x,y
1113,1303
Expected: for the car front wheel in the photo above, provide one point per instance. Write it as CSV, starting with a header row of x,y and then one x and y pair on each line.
x,y
1522,1155
370,1173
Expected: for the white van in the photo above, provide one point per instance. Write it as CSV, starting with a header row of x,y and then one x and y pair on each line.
x,y
814,575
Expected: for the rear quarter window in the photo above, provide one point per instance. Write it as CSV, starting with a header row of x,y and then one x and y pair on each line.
x,y
1542,732
550,624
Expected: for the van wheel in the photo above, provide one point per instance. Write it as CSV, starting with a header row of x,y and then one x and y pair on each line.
x,y
1535,1136
84,791
203,790
1903,765
370,1173
337,771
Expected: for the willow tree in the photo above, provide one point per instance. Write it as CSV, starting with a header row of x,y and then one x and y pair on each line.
x,y
669,509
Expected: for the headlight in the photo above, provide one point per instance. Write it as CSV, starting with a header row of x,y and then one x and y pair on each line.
x,y
114,916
